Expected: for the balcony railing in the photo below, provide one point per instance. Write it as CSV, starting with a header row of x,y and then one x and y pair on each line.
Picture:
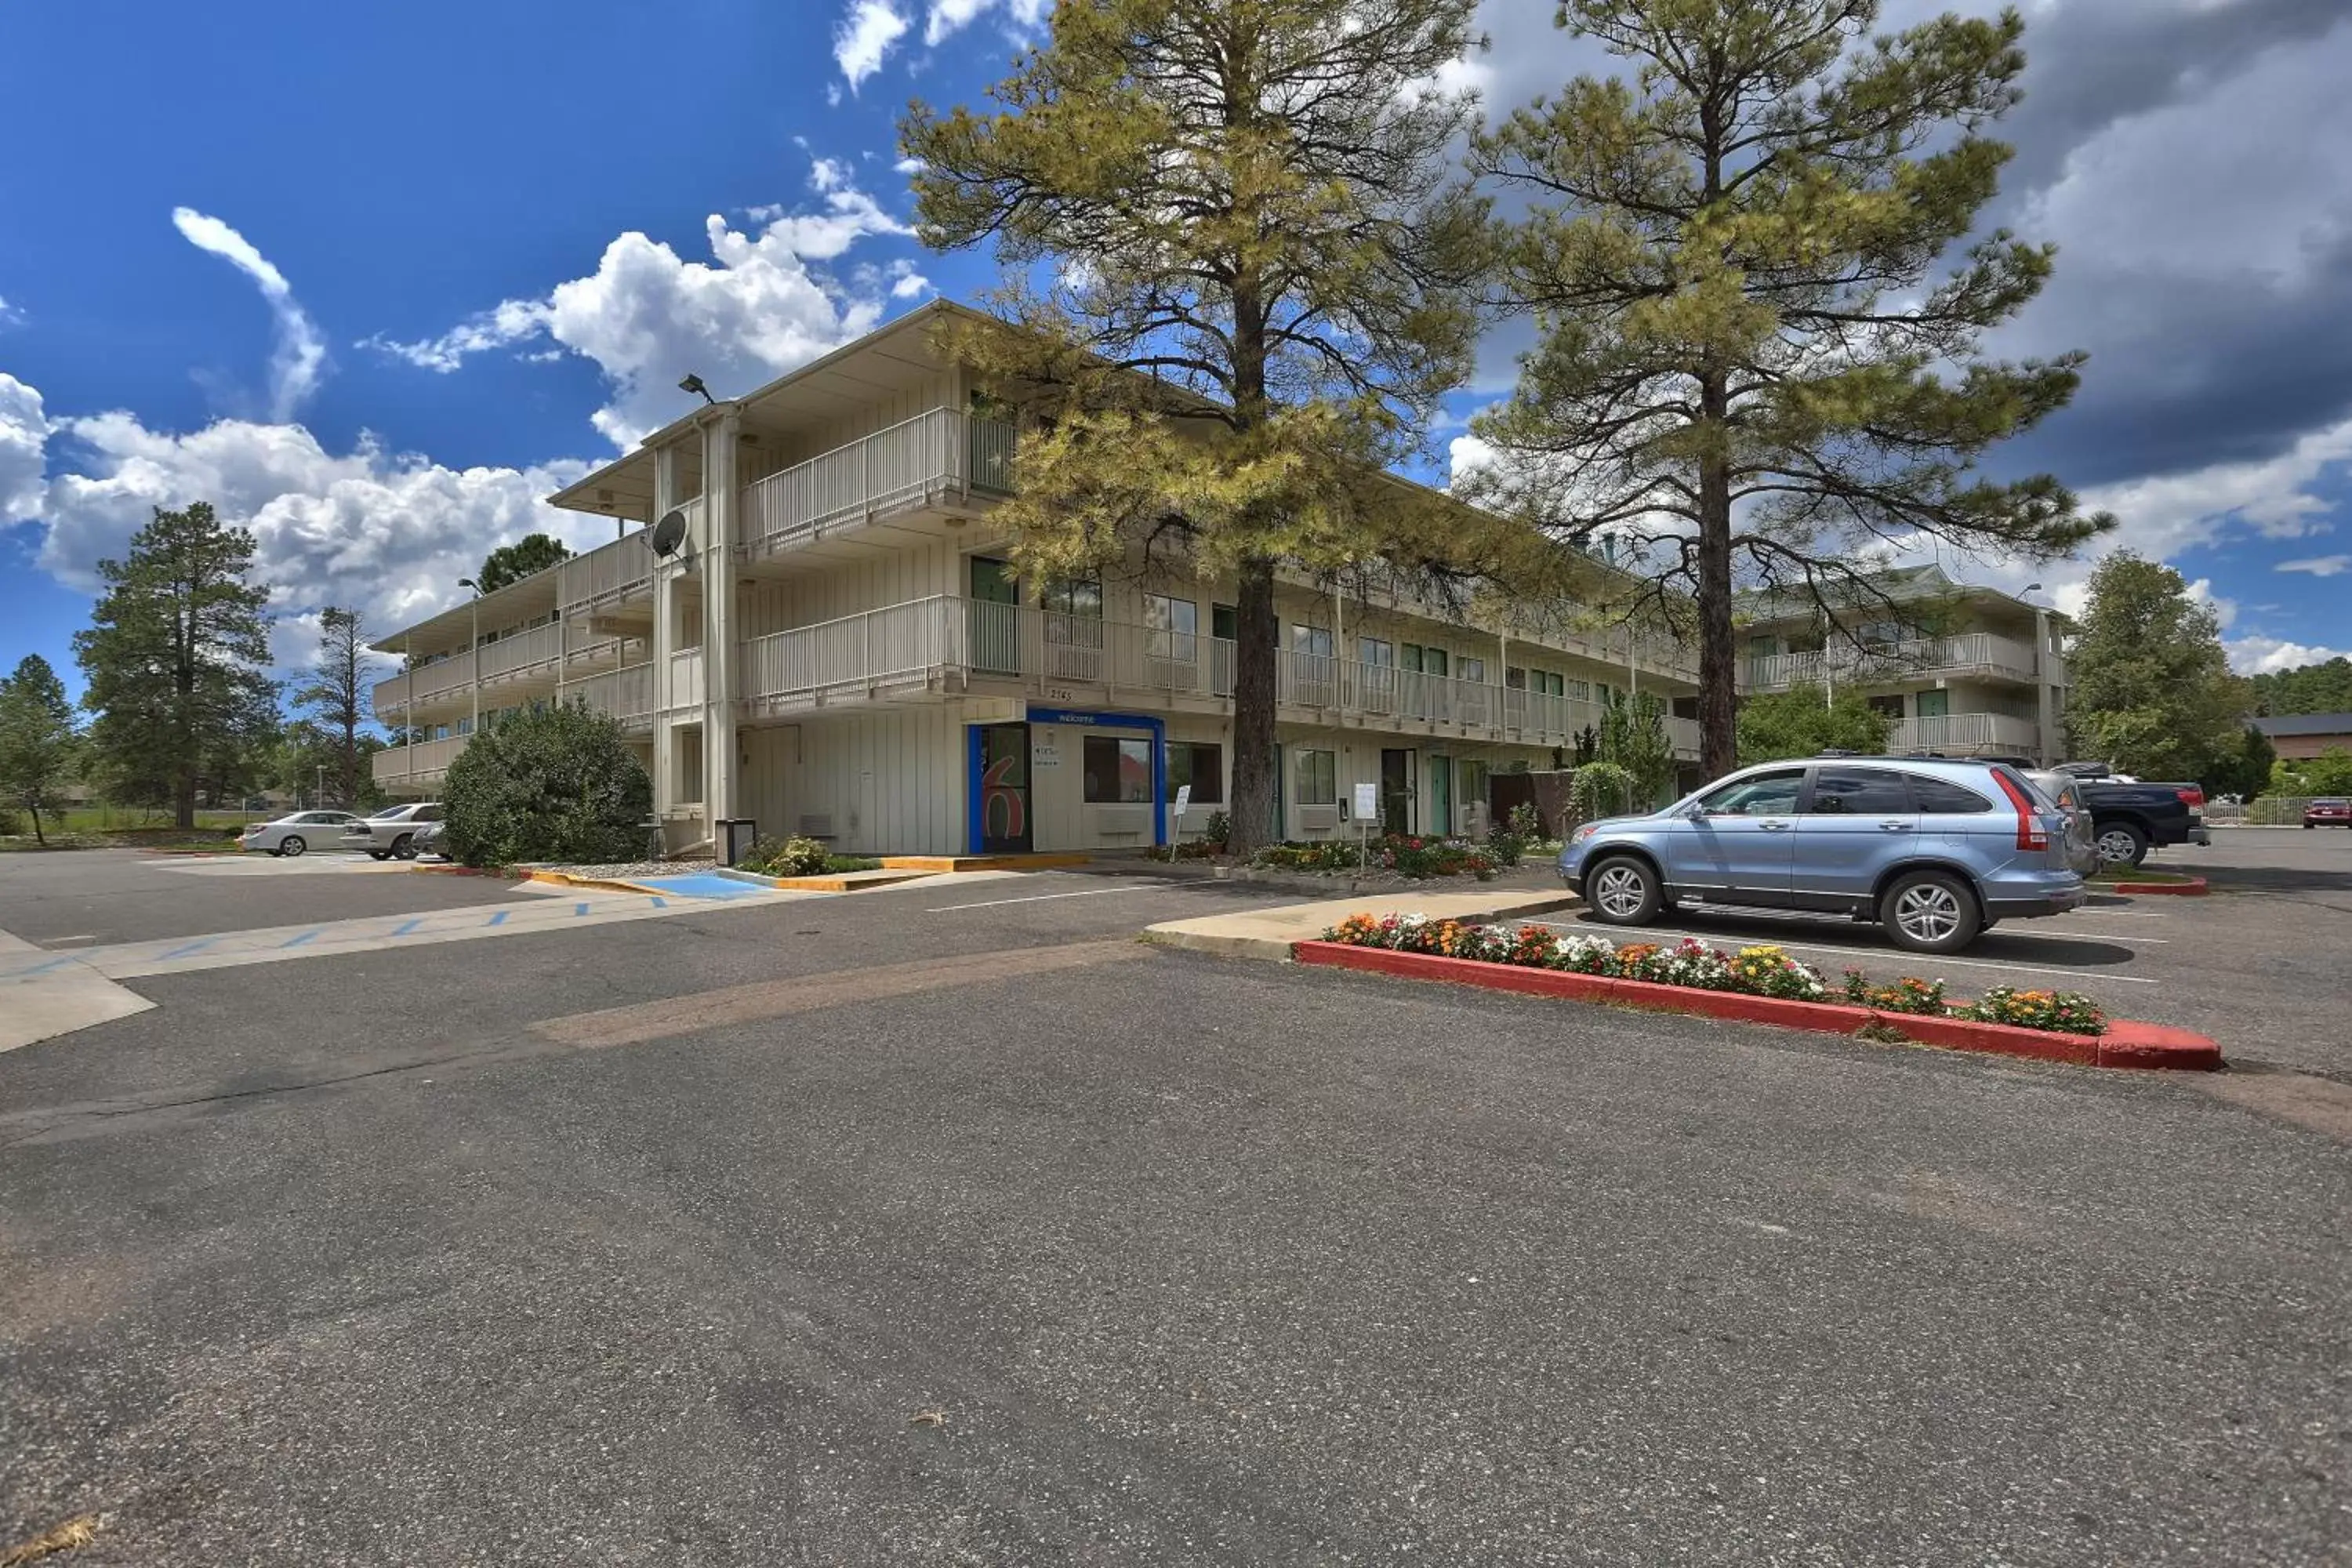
x,y
612,572
936,455
537,648
1972,653
626,694
425,760
685,679
426,683
1961,733
945,642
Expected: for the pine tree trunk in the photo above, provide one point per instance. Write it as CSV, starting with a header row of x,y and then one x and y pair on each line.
x,y
1717,716
1257,640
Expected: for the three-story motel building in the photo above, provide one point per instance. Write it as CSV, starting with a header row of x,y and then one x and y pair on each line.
x,y
840,648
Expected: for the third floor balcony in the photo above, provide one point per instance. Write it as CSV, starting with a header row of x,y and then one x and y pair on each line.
x,y
941,459
1981,654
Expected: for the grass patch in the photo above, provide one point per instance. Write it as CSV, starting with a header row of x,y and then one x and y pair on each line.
x,y
2113,874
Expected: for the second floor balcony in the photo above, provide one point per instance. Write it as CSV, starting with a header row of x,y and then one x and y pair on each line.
x,y
944,645
942,457
1984,654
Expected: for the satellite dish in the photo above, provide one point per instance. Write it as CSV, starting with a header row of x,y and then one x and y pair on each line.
x,y
670,534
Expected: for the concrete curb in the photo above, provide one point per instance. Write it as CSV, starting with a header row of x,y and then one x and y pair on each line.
x,y
823,882
1214,934
565,880
2126,1044
2195,887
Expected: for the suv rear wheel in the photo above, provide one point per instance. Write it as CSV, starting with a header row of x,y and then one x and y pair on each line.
x,y
1623,891
1930,911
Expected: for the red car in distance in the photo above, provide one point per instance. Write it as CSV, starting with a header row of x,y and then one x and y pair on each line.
x,y
2328,811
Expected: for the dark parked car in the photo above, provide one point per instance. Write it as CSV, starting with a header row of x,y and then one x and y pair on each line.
x,y
2130,819
2328,811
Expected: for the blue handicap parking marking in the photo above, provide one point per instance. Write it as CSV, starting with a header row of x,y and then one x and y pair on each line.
x,y
700,885
500,918
580,909
297,941
192,948
405,927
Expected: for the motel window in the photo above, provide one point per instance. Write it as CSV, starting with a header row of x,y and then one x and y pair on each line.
x,y
1376,650
1549,682
1515,678
1579,689
1316,640
1073,596
1433,660
1412,660
1319,778
1473,670
1890,706
1224,622
1118,770
1174,626
1200,764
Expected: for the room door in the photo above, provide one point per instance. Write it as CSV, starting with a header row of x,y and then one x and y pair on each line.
x,y
1441,795
1003,786
1396,791
995,614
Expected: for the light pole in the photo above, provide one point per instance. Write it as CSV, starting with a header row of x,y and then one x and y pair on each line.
x,y
474,650
2043,694
319,795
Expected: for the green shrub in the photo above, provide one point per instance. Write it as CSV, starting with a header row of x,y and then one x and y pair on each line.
x,y
793,857
555,784
1600,789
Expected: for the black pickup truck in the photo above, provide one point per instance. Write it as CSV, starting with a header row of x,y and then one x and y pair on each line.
x,y
2130,819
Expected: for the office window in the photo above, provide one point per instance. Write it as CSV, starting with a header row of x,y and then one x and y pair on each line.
x,y
1473,669
1200,764
1376,651
1073,596
1224,621
1316,640
1118,770
1174,626
1319,778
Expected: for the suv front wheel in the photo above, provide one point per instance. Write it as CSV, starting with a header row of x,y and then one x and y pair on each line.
x,y
1623,891
1930,911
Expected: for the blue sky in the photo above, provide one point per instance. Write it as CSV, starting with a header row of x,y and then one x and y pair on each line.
x,y
375,279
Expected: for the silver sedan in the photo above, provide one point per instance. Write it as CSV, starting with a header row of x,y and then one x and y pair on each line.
x,y
297,834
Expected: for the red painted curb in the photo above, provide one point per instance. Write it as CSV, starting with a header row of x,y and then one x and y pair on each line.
x,y
2194,888
2126,1044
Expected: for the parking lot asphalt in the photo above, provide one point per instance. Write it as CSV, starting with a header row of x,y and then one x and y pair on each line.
x,y
99,897
947,1225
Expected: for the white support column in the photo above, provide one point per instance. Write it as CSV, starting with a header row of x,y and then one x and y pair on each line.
x,y
666,628
2045,740
722,438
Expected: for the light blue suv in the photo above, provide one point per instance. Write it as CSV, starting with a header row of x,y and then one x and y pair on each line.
x,y
1935,851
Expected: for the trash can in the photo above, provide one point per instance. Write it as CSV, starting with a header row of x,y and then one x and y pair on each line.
x,y
736,836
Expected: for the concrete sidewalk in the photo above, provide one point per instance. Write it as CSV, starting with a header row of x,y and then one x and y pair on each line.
x,y
1268,934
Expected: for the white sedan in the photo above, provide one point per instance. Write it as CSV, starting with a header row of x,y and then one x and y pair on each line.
x,y
294,834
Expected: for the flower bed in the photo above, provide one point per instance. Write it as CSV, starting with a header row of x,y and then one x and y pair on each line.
x,y
1407,855
1763,971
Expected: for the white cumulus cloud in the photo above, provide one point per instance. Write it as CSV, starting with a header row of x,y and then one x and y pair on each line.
x,y
24,434
299,359
387,532
865,35
2268,655
948,16
765,304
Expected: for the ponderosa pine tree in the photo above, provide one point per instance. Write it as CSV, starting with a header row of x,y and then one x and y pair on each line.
x,y
336,694
174,659
1745,368
1238,258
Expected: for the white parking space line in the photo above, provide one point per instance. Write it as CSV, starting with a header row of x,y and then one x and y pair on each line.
x,y
1041,897
1622,934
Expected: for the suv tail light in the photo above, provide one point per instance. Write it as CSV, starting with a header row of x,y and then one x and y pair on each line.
x,y
2192,797
2030,832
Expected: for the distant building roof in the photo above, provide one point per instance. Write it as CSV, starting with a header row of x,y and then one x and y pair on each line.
x,y
2307,724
